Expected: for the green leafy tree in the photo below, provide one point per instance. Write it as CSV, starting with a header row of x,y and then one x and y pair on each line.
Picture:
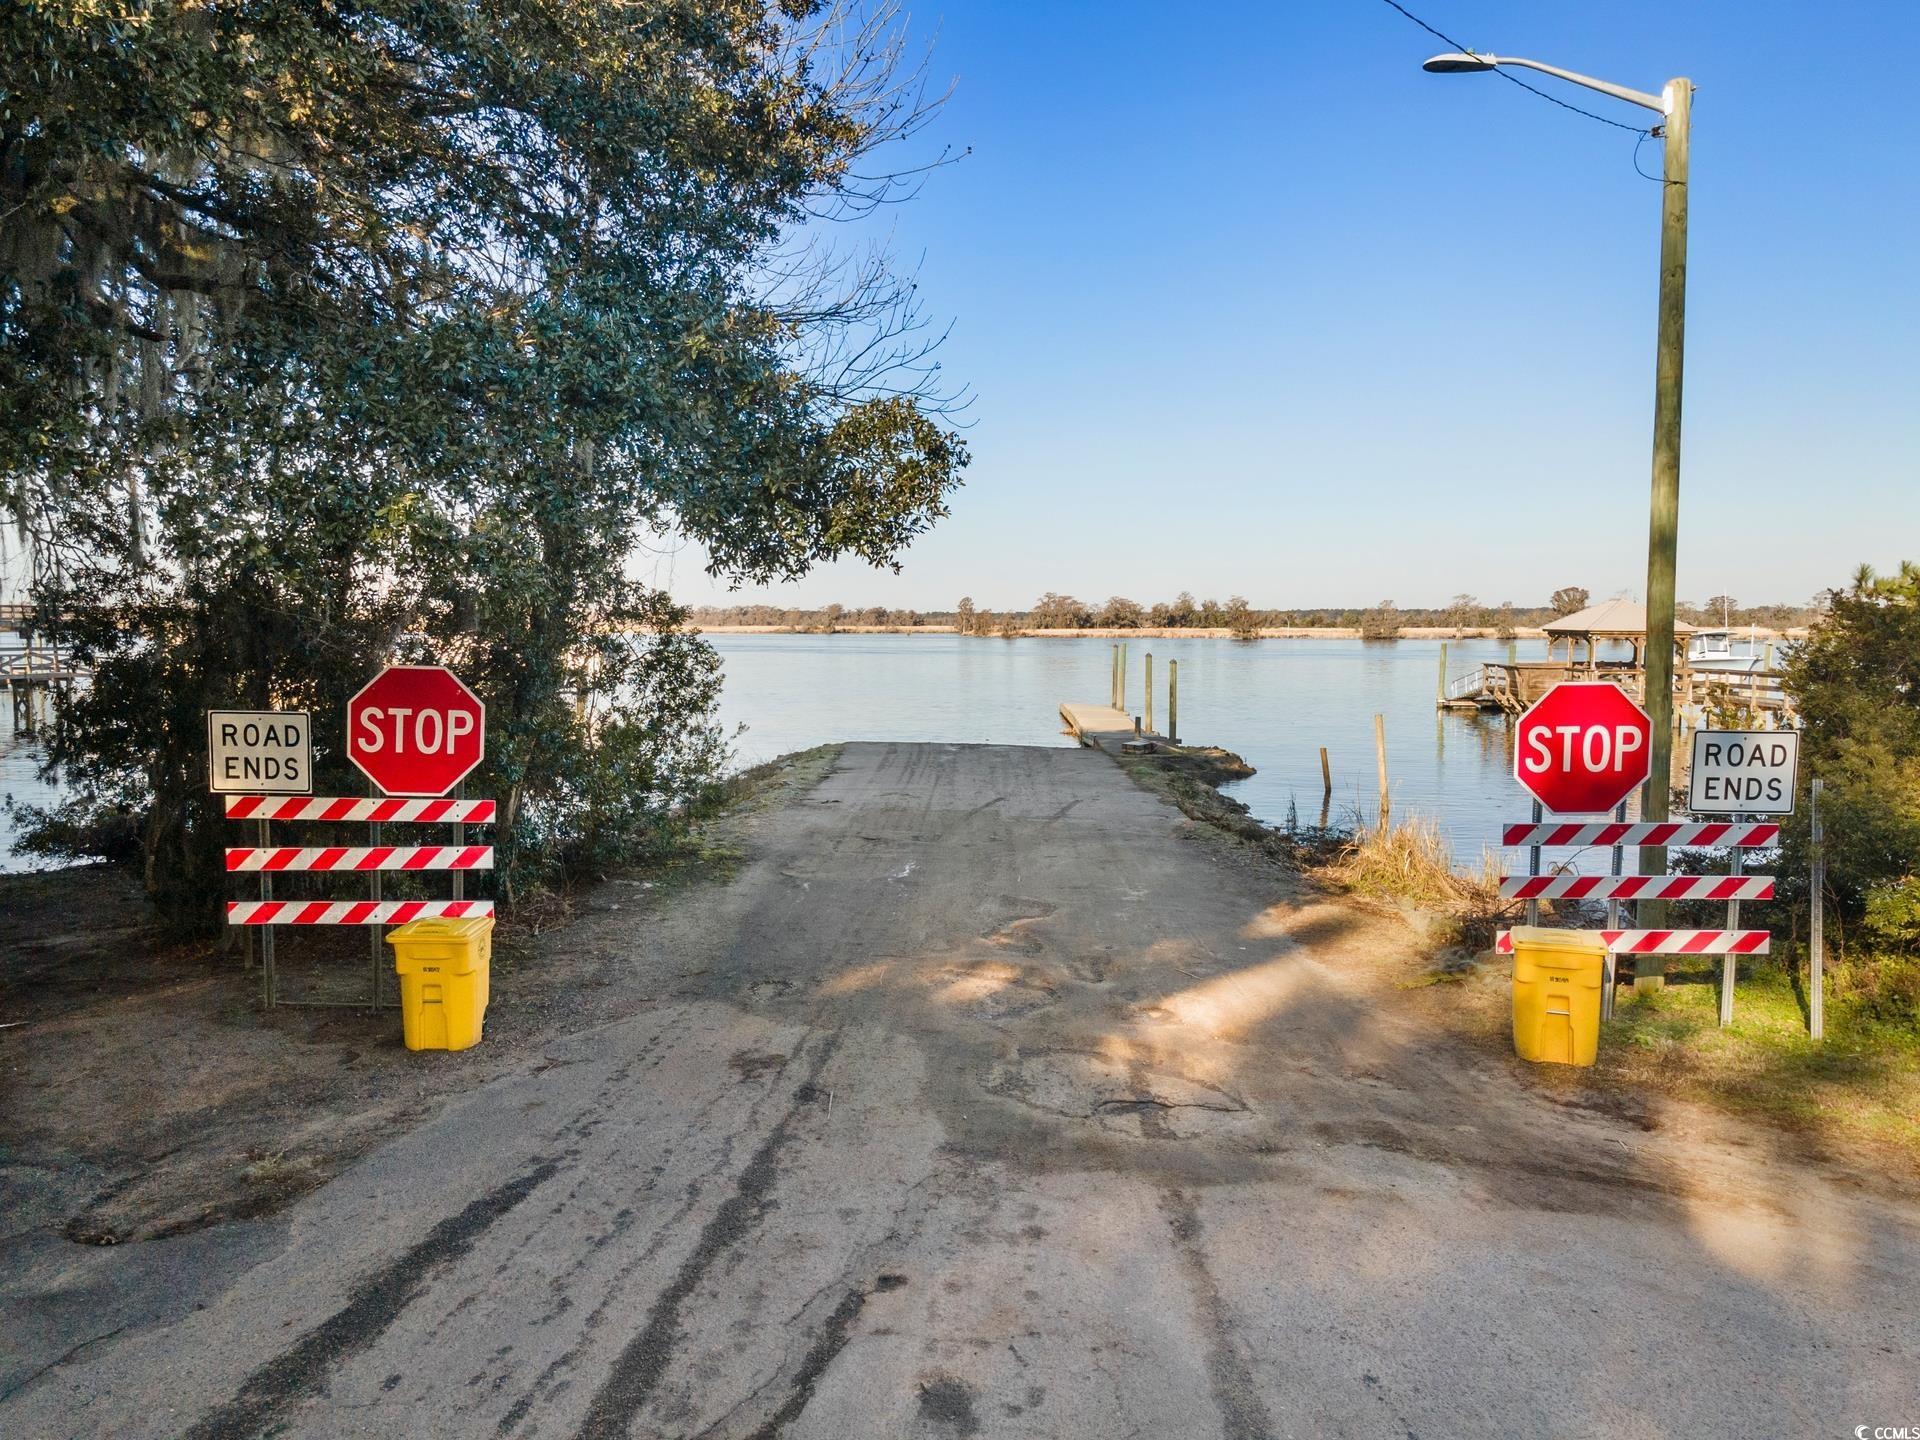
x,y
1855,681
334,335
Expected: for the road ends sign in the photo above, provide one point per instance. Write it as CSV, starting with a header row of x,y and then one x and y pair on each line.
x,y
1582,748
1743,772
416,730
259,752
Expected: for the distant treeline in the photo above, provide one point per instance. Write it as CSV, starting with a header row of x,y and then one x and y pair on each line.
x,y
1383,621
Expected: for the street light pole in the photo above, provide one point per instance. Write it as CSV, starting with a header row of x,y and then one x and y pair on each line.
x,y
1664,514
1663,523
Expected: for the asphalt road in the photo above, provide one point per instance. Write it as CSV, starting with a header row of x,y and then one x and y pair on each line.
x,y
991,1098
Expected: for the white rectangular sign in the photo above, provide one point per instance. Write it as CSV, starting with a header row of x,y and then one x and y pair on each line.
x,y
1743,772
260,752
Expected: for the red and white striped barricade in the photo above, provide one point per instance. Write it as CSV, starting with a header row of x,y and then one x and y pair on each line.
x,y
350,912
1618,889
267,860
360,857
1671,942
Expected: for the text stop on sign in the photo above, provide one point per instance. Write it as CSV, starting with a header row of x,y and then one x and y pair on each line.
x,y
1582,748
425,732
416,730
1595,748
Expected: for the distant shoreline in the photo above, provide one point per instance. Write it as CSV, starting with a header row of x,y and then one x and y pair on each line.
x,y
1196,632
1145,632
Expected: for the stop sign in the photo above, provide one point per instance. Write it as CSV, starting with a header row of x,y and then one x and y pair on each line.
x,y
416,730
1582,748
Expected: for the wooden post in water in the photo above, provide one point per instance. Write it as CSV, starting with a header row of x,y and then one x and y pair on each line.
x,y
1149,692
1121,703
1326,787
1380,759
1113,676
1440,690
1817,938
1173,701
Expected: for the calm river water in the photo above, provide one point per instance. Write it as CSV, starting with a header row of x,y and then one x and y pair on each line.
x,y
1276,702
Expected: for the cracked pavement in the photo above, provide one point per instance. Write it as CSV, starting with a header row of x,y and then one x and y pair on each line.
x,y
992,1097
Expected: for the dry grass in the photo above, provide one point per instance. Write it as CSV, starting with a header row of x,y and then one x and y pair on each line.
x,y
1410,864
1410,861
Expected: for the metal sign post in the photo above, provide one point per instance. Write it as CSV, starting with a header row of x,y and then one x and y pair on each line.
x,y
267,985
375,937
261,752
1533,863
1613,920
1728,965
1817,941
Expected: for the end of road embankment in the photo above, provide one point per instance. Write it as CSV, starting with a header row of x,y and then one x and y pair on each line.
x,y
1851,1102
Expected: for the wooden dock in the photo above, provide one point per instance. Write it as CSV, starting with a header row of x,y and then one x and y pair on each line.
x,y
1509,688
1102,727
32,677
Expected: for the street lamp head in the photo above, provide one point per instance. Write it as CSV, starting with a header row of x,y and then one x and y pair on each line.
x,y
1457,64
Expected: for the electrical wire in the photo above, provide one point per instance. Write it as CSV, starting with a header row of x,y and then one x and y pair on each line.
x,y
1515,79
1657,179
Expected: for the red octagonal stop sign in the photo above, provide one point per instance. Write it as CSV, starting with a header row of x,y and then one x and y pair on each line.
x,y
416,730
1582,748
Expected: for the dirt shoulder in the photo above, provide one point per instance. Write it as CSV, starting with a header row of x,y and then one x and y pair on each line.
x,y
1851,1102
144,1091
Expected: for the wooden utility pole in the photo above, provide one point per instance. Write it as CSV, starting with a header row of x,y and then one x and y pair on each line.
x,y
1664,515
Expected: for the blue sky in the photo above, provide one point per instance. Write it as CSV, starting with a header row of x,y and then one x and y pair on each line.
x,y
1249,303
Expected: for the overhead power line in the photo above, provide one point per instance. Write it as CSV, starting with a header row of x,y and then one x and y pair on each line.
x,y
1516,80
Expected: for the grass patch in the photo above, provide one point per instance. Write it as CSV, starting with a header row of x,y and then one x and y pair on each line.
x,y
1860,1087
1411,864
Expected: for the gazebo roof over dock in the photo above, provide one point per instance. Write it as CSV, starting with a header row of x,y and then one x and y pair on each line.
x,y
1609,620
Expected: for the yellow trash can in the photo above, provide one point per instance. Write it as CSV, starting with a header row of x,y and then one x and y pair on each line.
x,y
1557,975
443,967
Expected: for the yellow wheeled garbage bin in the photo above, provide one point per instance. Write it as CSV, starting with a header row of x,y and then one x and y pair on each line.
x,y
443,967
1557,975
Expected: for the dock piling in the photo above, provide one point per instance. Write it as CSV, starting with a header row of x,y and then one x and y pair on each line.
x,y
1380,759
1440,687
1149,690
1173,701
